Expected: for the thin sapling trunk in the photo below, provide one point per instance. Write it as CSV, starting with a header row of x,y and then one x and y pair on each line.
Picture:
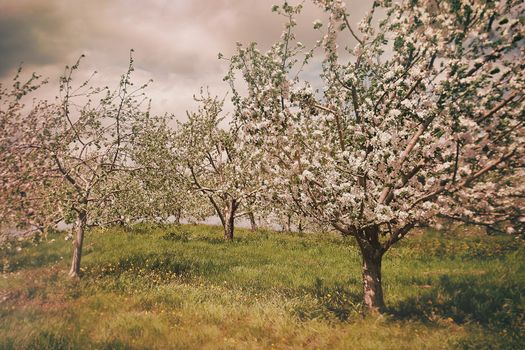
x,y
253,223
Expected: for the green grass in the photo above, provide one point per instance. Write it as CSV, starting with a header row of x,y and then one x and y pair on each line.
x,y
184,288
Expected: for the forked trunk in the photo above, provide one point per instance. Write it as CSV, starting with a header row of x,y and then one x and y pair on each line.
x,y
178,215
80,227
372,253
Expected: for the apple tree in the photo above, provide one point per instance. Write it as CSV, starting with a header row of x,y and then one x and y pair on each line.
x,y
417,113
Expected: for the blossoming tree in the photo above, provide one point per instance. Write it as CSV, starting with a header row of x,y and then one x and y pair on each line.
x,y
420,115
25,196
215,163
161,191
77,150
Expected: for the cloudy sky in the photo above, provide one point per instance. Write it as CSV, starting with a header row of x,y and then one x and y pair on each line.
x,y
176,42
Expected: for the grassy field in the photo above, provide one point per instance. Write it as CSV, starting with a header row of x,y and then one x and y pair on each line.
x,y
184,288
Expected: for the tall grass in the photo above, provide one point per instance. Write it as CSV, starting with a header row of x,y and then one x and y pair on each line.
x,y
183,287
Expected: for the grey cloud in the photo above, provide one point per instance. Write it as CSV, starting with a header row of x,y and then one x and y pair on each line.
x,y
23,33
176,42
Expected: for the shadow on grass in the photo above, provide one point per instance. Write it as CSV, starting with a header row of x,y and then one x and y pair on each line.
x,y
181,234
497,306
137,272
337,302
143,271
15,263
467,299
15,256
167,264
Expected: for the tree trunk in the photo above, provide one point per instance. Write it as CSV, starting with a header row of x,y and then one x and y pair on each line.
x,y
229,219
178,215
80,226
253,223
372,287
